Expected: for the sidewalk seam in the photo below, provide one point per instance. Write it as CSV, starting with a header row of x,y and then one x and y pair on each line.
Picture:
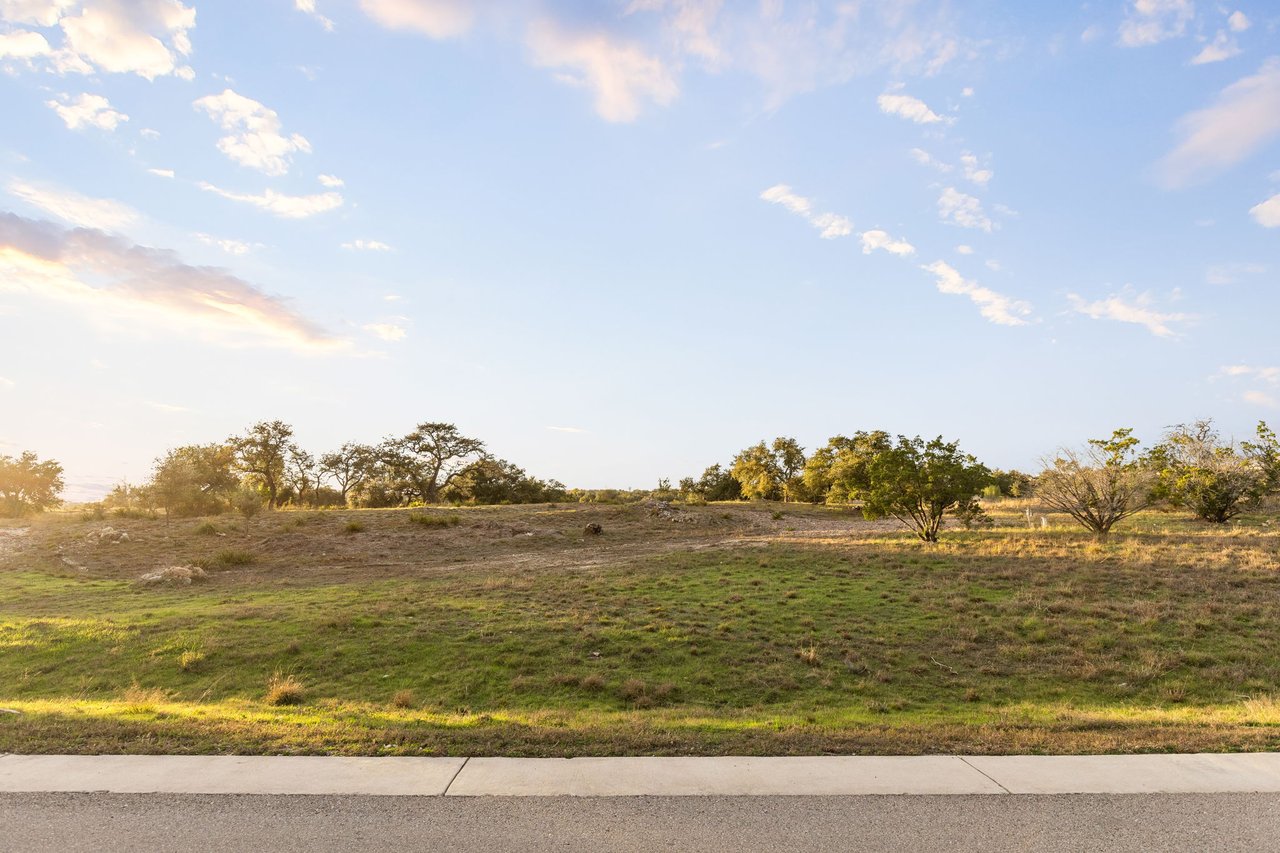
x,y
984,773
445,792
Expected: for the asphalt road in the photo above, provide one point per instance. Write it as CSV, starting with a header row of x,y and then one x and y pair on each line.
x,y
158,822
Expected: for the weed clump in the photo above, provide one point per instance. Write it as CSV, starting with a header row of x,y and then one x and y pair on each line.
x,y
434,520
233,557
207,528
285,690
191,660
404,699
353,527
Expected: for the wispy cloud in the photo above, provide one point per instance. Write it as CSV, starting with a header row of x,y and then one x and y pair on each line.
x,y
386,331
1231,273
309,7
162,173
1267,213
366,246
1148,22
87,111
1261,398
439,19
279,204
1221,48
973,171
621,74
912,109
566,429
332,181
962,209
830,225
924,158
231,247
255,139
877,239
102,275
73,207
1138,310
996,307
1244,117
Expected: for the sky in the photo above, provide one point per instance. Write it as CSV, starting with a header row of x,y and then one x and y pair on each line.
x,y
620,241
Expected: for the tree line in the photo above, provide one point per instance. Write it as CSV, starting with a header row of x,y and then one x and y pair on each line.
x,y
265,467
1193,468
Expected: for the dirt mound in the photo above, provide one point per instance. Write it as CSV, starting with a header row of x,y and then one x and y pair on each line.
x,y
108,535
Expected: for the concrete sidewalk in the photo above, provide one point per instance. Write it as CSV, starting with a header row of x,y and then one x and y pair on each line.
x,y
613,777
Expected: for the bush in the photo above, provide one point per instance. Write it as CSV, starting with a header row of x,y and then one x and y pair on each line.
x,y
404,699
435,520
208,528
285,690
353,527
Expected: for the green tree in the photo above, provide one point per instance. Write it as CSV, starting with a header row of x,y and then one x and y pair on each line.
x,y
918,483
262,454
1214,478
349,466
429,458
836,473
196,479
1098,486
718,484
770,472
1265,452
497,481
28,485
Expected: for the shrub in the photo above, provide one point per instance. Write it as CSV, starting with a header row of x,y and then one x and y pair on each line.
x,y
434,520
353,527
208,528
285,690
191,660
233,557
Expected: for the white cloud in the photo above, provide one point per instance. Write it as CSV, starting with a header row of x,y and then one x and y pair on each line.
x,y
1222,47
877,239
966,92
622,75
231,247
6,383
386,331
1150,22
105,276
103,214
284,206
87,111
1267,213
255,140
23,44
42,13
1137,311
566,429
830,225
167,407
1245,116
163,173
143,37
924,158
996,307
1266,374
1231,273
909,108
367,246
1092,33
1238,21
332,181
309,7
963,210
439,19
993,265
972,172
964,250
150,133
1261,398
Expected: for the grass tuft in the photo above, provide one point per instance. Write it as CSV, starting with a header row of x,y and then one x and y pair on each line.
x,y
434,520
285,689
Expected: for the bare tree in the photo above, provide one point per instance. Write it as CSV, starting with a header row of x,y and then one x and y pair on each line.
x,y
1098,486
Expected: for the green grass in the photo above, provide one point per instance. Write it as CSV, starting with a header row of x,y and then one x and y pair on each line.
x,y
434,520
990,642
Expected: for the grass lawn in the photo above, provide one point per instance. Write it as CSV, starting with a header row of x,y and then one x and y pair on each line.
x,y
724,631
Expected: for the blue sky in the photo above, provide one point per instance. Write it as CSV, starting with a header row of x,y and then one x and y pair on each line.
x,y
621,241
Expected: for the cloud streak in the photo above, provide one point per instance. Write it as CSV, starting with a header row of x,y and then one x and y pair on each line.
x,y
82,210
829,225
281,205
1243,118
100,274
1138,311
997,307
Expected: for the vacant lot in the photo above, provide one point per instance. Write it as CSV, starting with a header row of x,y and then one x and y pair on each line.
x,y
718,629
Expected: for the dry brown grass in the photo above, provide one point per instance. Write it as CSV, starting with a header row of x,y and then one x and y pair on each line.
x,y
285,689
